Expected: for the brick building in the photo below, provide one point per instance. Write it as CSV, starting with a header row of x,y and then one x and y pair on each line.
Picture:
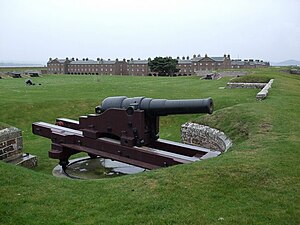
x,y
186,65
247,64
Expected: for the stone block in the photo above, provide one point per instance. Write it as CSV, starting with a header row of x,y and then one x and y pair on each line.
x,y
11,145
264,92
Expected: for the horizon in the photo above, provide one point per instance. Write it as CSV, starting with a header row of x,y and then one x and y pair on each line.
x,y
35,30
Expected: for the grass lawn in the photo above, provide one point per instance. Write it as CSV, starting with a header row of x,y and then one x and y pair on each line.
x,y
255,182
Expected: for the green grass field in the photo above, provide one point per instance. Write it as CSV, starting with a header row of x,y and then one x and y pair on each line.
x,y
255,182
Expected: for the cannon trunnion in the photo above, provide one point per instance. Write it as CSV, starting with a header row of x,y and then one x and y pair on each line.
x,y
127,130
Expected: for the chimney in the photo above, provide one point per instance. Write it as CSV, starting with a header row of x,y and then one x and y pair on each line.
x,y
187,57
178,57
149,59
183,57
228,56
205,55
108,59
87,59
139,59
117,59
76,59
83,59
73,59
67,58
194,56
50,59
224,55
131,59
199,55
124,60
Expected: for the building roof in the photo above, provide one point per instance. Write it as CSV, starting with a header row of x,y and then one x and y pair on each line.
x,y
216,59
58,60
196,59
237,63
184,61
141,61
61,60
92,62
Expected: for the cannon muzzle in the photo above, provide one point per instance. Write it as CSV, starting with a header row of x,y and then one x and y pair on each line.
x,y
158,107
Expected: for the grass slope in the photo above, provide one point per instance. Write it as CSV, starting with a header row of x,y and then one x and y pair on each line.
x,y
256,182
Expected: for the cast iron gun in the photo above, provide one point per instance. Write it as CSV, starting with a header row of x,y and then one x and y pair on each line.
x,y
127,130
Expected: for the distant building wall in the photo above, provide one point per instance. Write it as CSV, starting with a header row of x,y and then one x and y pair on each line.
x,y
140,67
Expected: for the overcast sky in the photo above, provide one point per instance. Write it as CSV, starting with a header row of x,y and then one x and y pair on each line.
x,y
34,30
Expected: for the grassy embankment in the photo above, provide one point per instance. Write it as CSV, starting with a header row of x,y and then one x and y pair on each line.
x,y
256,182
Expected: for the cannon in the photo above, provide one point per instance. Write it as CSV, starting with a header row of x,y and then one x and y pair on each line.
x,y
127,130
158,107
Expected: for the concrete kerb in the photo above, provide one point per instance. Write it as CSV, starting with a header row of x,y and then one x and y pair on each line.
x,y
264,92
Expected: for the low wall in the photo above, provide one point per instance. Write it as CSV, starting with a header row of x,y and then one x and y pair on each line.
x,y
204,136
245,85
264,92
260,95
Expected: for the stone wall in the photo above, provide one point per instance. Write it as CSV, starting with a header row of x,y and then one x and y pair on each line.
x,y
204,136
245,85
264,92
260,95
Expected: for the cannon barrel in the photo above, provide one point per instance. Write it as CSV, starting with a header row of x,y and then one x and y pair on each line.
x,y
158,107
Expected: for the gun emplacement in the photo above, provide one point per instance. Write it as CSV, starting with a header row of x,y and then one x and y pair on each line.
x,y
127,130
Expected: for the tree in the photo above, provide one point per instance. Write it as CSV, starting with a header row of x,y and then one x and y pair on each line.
x,y
164,66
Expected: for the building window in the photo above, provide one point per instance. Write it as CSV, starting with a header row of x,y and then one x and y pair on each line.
x,y
200,64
